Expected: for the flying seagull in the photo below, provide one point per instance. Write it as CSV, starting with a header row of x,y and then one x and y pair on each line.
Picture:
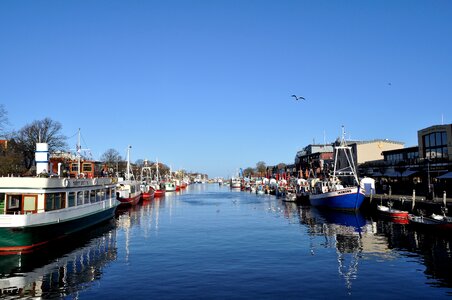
x,y
298,98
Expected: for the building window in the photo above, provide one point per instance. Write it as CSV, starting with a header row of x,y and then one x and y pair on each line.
x,y
435,145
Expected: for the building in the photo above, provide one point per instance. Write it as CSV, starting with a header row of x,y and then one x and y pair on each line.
x,y
314,160
425,169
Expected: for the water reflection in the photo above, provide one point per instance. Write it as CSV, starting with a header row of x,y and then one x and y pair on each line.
x,y
342,231
61,268
432,249
355,237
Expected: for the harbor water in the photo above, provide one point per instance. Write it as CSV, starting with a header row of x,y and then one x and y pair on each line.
x,y
211,242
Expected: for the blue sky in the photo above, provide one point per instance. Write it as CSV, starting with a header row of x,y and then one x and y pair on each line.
x,y
206,85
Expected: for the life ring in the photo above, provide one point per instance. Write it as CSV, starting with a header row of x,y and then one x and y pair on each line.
x,y
65,182
94,181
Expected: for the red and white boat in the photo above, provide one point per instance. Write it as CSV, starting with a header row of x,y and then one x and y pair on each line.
x,y
128,191
147,191
392,213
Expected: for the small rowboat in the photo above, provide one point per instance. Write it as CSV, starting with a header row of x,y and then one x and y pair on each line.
x,y
391,212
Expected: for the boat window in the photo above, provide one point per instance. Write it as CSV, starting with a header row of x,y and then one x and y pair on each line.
x,y
99,195
80,198
54,201
13,204
87,167
71,199
106,194
92,196
30,204
2,203
74,167
86,193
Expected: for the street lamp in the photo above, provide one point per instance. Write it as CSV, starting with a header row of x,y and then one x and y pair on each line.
x,y
430,189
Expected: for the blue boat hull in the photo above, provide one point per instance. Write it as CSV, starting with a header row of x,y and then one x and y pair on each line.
x,y
336,200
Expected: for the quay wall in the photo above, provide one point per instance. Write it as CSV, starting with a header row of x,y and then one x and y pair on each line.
x,y
404,202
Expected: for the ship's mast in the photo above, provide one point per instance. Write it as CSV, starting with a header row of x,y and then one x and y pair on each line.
x,y
128,163
78,152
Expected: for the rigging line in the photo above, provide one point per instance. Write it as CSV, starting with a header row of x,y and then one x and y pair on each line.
x,y
81,136
73,135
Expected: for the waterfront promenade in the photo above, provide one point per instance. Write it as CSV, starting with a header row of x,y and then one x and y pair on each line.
x,y
406,202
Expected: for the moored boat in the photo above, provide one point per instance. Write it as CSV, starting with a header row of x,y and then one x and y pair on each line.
x,y
128,190
37,210
147,191
170,186
433,222
389,212
330,193
236,183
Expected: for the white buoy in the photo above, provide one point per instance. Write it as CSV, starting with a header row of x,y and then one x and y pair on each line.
x,y
42,158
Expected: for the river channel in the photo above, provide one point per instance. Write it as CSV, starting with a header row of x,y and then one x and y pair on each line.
x,y
211,242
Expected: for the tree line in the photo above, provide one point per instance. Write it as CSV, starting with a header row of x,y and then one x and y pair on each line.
x,y
17,152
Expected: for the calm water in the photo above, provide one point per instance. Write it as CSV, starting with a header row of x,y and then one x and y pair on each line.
x,y
209,242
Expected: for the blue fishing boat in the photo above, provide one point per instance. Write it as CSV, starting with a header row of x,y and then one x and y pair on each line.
x,y
331,193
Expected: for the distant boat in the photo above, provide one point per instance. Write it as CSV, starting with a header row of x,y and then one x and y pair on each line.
x,y
147,191
170,186
128,190
159,187
236,183
331,193
37,210
260,190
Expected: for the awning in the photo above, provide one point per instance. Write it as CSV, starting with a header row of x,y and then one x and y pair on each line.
x,y
448,175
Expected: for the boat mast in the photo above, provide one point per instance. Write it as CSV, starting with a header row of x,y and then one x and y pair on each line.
x,y
348,155
128,163
78,152
157,163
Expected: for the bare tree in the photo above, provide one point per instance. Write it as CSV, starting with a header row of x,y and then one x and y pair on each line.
x,y
248,172
11,160
261,168
111,158
42,131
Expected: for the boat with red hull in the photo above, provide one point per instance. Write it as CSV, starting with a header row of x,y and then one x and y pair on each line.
x,y
389,212
148,195
159,193
128,191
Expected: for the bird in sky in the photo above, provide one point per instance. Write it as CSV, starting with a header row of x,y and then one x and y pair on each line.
x,y
298,97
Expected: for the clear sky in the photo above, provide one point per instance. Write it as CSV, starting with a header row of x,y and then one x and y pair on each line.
x,y
206,85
